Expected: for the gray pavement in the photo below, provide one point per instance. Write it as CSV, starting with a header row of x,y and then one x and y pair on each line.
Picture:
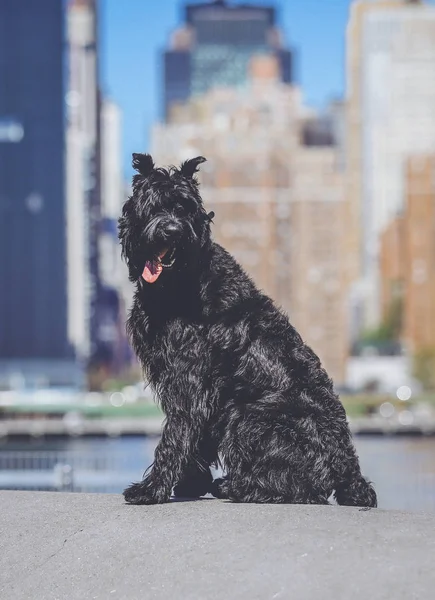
x,y
83,546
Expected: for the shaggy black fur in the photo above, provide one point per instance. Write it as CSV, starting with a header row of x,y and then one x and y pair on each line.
x,y
234,378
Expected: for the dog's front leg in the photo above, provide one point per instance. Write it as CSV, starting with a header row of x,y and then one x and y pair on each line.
x,y
176,449
181,375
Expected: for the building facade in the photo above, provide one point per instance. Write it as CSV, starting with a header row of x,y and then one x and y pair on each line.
x,y
391,116
33,244
81,151
408,257
95,195
318,289
392,263
116,289
419,268
112,193
215,45
278,200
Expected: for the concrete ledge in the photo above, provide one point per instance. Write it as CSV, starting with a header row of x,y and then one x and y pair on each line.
x,y
83,546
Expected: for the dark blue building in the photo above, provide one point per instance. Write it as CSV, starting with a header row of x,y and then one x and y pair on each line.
x,y
215,48
33,274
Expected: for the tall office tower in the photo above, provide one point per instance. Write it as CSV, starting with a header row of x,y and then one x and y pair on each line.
x,y
273,178
33,244
83,177
391,116
115,287
112,183
214,47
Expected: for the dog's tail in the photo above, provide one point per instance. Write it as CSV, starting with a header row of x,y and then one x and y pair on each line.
x,y
357,492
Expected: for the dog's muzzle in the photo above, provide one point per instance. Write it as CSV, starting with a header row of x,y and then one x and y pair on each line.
x,y
164,234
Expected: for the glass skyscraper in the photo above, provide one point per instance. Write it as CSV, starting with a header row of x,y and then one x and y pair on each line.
x,y
33,272
215,46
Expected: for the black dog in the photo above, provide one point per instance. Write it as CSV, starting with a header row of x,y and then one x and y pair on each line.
x,y
234,378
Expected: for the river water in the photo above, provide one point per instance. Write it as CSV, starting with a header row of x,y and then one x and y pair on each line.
x,y
402,468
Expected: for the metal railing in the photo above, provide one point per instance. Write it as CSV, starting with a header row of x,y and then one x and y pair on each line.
x,y
78,471
402,480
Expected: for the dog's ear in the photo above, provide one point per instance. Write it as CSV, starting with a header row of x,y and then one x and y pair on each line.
x,y
190,167
143,164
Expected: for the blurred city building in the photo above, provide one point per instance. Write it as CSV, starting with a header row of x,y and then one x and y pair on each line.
x,y
112,192
318,290
275,181
82,174
95,196
392,263
408,258
33,243
390,117
113,272
215,45
419,302
60,308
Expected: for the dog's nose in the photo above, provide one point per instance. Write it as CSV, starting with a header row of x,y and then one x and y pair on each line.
x,y
172,228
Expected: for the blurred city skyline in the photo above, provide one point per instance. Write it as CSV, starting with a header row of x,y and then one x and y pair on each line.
x,y
132,42
333,104
317,118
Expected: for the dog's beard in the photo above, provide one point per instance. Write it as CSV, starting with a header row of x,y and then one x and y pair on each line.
x,y
154,268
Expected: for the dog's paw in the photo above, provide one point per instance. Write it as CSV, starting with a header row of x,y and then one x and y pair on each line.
x,y
220,488
144,493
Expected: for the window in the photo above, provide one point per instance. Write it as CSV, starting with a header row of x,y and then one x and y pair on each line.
x,y
11,130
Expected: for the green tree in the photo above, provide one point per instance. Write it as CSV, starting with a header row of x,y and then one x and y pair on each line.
x,y
390,328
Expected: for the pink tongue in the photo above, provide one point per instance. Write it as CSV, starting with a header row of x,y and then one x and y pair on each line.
x,y
151,271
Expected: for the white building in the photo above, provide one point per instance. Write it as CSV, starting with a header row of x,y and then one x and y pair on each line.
x,y
112,193
112,185
395,76
82,110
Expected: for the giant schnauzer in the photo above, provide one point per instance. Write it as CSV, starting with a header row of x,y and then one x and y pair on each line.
x,y
236,382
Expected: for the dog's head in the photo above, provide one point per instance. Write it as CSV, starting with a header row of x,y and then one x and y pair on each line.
x,y
164,226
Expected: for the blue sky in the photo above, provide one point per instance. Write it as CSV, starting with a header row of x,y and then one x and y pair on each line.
x,y
133,32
